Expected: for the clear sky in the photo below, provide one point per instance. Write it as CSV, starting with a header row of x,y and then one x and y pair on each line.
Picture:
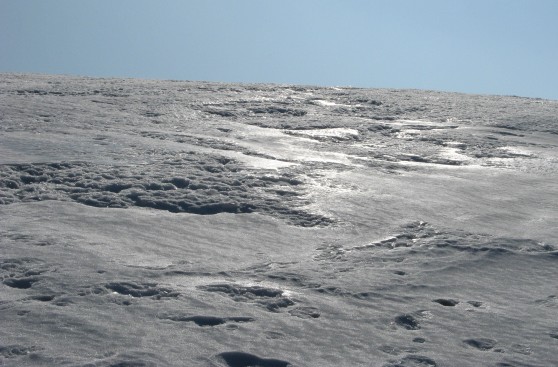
x,y
475,46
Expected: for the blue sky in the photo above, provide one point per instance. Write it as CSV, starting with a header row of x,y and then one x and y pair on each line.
x,y
474,46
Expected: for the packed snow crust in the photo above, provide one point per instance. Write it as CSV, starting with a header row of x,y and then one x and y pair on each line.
x,y
172,223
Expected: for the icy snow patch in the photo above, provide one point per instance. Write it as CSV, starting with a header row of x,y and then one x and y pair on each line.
x,y
258,162
517,150
338,132
454,154
324,103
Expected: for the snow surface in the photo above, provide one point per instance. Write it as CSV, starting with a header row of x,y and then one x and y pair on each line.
x,y
170,223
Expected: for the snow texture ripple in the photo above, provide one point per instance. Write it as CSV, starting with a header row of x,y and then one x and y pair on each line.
x,y
175,223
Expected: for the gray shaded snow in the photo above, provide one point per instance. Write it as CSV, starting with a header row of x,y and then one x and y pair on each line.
x,y
168,223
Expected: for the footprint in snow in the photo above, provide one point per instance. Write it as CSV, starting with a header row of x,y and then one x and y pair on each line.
x,y
241,359
446,302
483,344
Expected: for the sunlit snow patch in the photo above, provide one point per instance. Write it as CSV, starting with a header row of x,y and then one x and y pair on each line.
x,y
322,102
419,123
287,149
259,162
338,132
517,150
454,154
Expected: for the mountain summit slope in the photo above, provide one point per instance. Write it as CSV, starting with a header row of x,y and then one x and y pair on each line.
x,y
171,223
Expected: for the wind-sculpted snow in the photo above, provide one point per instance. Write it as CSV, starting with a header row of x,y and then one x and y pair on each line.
x,y
270,298
196,184
171,223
